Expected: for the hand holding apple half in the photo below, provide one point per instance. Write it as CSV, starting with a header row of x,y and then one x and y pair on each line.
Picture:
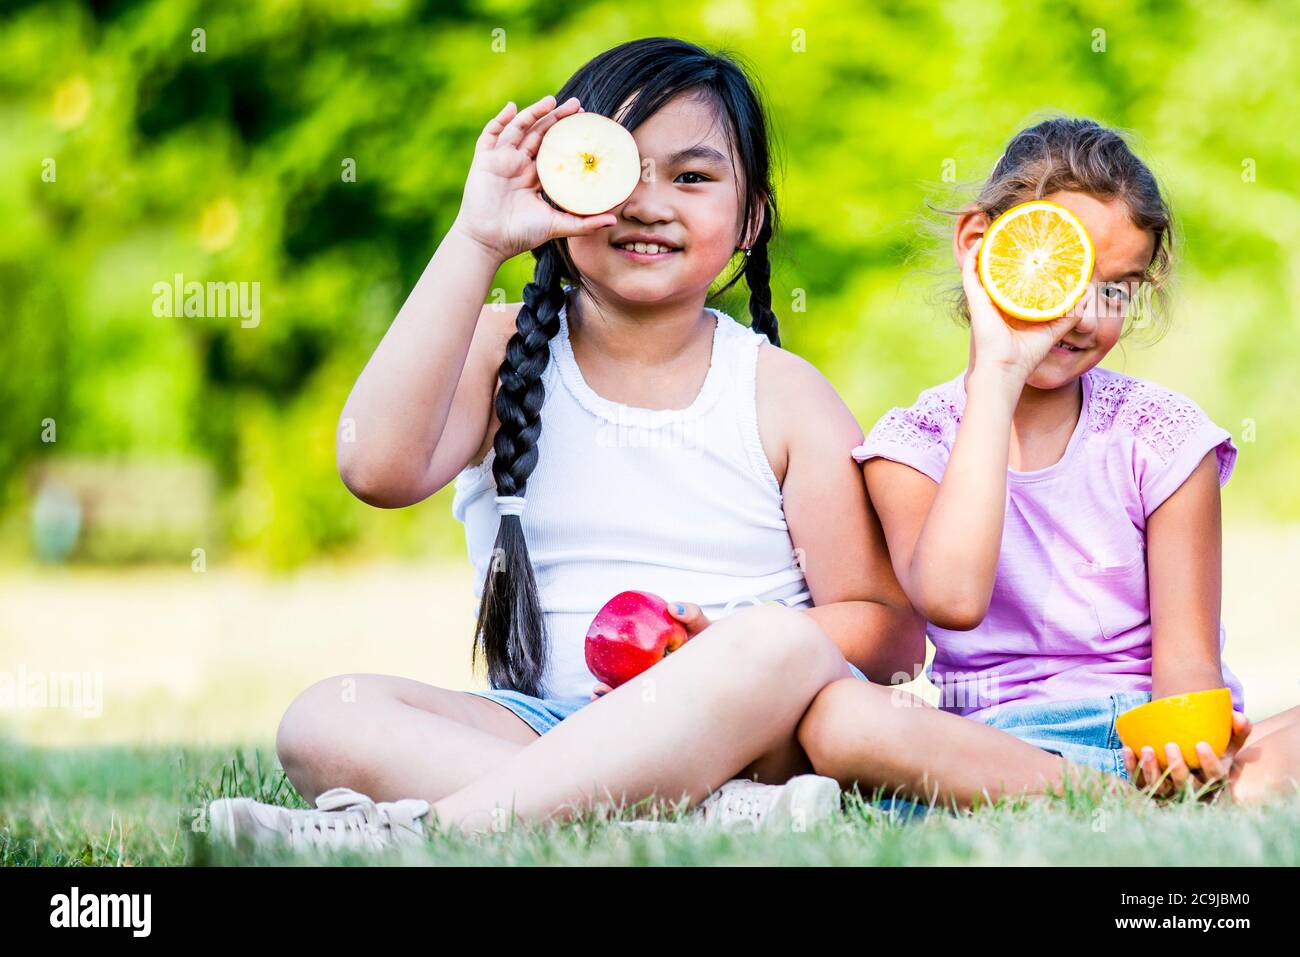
x,y
588,164
632,632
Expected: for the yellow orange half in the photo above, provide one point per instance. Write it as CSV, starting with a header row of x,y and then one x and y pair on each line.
x,y
1036,261
1183,719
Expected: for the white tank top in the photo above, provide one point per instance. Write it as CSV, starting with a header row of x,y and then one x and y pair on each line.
x,y
679,502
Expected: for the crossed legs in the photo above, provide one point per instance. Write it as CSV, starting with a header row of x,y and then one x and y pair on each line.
x,y
726,704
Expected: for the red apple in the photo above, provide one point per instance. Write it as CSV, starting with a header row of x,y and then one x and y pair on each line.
x,y
632,632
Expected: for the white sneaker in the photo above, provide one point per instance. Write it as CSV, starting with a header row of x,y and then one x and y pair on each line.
x,y
342,819
797,805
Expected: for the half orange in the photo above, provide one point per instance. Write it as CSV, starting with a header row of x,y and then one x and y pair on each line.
x,y
1181,718
1036,261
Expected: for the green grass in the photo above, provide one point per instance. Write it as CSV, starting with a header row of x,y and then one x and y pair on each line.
x,y
135,806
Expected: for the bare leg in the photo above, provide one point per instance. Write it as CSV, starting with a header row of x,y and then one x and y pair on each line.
x,y
779,765
877,736
392,738
731,696
1269,762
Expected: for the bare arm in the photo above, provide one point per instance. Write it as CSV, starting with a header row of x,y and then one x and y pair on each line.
x,y
858,601
947,538
421,407
944,540
398,441
1184,569
1184,578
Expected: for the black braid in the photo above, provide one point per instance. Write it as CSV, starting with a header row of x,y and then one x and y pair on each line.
x,y
758,276
511,628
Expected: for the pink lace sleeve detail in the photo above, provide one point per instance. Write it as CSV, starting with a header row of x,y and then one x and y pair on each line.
x,y
919,436
1173,434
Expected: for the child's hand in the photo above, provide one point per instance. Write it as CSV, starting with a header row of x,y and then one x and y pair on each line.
x,y
689,615
1215,769
502,209
1000,342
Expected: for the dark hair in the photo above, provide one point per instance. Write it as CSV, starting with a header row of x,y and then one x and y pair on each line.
x,y
1081,155
511,629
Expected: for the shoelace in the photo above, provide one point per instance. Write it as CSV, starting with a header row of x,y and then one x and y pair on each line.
x,y
342,818
735,803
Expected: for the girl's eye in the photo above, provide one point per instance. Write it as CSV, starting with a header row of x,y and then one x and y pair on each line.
x,y
702,177
1115,292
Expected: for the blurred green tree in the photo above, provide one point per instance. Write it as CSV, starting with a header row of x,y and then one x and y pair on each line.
x,y
318,150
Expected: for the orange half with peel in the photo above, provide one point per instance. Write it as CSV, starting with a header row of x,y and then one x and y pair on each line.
x,y
1036,261
1183,719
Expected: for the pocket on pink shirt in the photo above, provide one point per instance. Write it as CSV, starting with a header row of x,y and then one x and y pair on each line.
x,y
1118,594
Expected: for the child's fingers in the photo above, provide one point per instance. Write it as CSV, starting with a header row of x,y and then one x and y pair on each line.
x,y
1061,325
689,615
1212,767
600,690
981,306
1241,728
970,279
532,141
1178,770
1050,330
514,132
1150,767
488,138
567,224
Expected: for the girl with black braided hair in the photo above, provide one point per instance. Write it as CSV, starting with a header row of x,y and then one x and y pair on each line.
x,y
611,432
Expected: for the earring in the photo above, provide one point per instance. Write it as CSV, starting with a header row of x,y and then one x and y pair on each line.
x,y
747,250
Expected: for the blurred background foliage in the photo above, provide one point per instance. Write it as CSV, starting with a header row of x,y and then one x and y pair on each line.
x,y
128,157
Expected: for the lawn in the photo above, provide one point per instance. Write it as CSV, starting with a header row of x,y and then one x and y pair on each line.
x,y
198,668
111,806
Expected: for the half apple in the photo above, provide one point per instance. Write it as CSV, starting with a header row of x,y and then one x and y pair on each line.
x,y
587,163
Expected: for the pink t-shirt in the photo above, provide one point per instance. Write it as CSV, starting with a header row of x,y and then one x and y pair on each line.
x,y
1070,615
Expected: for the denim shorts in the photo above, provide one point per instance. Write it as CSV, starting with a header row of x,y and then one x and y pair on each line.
x,y
1082,731
540,714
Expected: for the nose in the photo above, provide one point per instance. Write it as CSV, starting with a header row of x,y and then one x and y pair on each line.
x,y
1087,313
648,203
1085,310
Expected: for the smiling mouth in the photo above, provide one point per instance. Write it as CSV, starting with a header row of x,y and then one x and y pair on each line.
x,y
1065,346
646,249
